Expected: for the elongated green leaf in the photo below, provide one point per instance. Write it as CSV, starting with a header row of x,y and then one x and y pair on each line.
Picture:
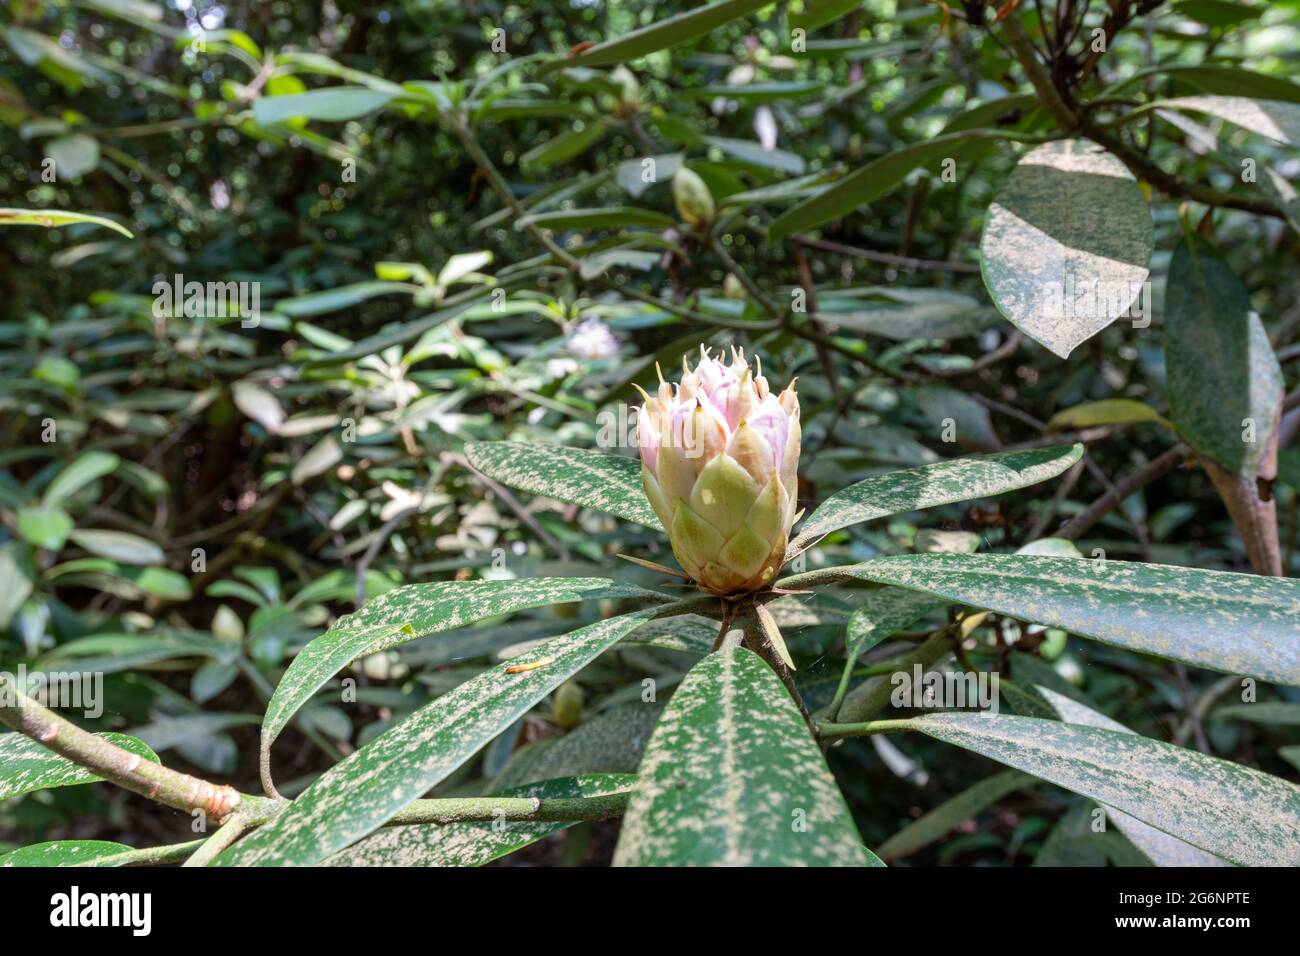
x,y
16,580
748,151
903,314
118,545
753,92
417,610
593,479
950,814
1234,812
1067,243
84,469
614,217
473,844
398,335
1266,712
732,777
1218,13
1108,411
564,146
331,300
334,104
1243,623
863,185
52,218
1225,384
1275,119
62,853
1227,81
26,766
1159,847
939,484
673,31
361,792
993,114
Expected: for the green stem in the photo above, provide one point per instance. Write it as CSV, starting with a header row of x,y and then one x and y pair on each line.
x,y
228,833
873,696
172,853
863,729
486,809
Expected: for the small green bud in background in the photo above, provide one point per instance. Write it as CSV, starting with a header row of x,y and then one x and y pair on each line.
x,y
694,201
566,706
630,98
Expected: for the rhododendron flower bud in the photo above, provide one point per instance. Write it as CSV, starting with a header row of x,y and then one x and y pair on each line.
x,y
719,461
694,201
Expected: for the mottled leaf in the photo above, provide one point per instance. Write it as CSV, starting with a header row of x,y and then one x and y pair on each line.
x,y
941,483
365,789
593,479
1222,373
733,777
1067,243
884,613
26,766
474,844
1159,847
1275,119
62,853
418,610
1234,812
610,742
1243,623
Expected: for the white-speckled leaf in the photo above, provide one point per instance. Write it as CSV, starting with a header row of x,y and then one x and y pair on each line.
x,y
1158,847
26,766
683,632
418,610
732,777
950,814
1275,119
1234,623
942,483
1219,363
365,789
62,853
593,479
1235,812
474,844
884,613
1069,219
610,742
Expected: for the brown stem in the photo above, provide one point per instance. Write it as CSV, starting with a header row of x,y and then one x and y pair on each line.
x,y
1153,470
1253,509
127,770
